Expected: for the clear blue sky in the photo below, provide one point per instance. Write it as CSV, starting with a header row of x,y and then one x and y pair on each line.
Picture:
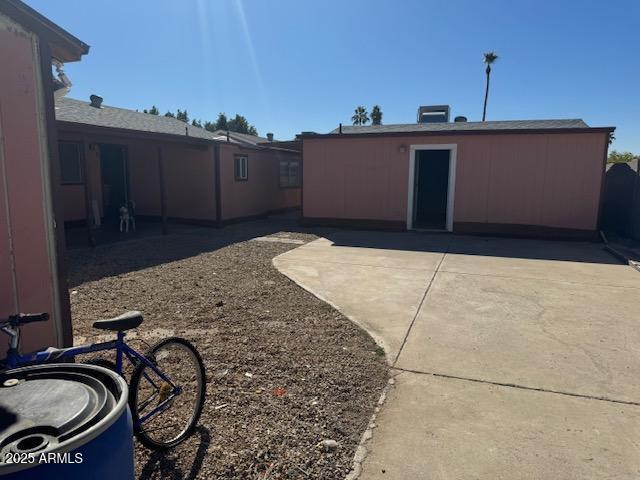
x,y
293,65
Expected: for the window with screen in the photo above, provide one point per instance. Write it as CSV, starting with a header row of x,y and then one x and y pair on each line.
x,y
241,168
289,173
70,163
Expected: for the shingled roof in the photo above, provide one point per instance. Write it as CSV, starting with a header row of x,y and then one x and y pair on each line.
x,y
77,111
242,137
464,126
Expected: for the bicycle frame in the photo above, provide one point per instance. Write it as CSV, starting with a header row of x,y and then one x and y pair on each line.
x,y
15,359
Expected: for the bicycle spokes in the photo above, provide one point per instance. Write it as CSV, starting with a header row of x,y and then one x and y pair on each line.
x,y
167,395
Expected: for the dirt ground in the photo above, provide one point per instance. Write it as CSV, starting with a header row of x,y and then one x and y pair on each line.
x,y
313,374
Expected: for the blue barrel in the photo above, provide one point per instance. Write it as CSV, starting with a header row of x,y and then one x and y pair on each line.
x,y
67,421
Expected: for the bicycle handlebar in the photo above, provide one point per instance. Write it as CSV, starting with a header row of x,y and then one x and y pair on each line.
x,y
24,318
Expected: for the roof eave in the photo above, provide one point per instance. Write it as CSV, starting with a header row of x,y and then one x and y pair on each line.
x,y
87,128
64,46
495,131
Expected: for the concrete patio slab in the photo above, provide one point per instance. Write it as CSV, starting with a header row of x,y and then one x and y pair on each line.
x,y
537,333
362,294
436,428
575,262
516,358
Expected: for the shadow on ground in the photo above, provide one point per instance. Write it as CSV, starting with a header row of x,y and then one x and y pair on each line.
x,y
115,258
153,249
161,465
570,251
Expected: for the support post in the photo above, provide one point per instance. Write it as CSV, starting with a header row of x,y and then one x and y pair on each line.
x,y
163,193
86,171
216,168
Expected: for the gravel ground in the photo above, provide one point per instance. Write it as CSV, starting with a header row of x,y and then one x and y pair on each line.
x,y
313,374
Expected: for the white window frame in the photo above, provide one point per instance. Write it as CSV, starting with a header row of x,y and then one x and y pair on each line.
x,y
241,174
453,152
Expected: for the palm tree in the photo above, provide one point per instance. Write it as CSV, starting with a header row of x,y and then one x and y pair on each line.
x,y
360,117
489,58
376,115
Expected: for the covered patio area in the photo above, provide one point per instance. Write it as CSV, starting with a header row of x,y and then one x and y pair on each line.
x,y
160,170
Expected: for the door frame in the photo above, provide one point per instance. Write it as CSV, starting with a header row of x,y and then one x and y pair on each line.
x,y
451,186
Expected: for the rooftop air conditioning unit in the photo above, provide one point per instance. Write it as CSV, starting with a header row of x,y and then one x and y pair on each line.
x,y
433,113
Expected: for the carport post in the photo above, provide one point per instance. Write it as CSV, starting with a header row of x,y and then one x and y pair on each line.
x,y
87,192
216,168
163,195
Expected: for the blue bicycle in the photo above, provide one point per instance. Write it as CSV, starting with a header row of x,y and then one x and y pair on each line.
x,y
167,386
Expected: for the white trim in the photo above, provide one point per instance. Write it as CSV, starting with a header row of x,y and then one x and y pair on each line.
x,y
453,153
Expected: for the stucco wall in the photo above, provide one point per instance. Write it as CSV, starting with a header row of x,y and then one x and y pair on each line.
x,y
27,254
551,180
190,180
261,193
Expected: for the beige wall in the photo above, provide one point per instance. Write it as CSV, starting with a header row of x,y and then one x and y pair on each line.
x,y
28,280
261,193
551,180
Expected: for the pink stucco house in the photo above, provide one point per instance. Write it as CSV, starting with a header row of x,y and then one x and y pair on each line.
x,y
32,277
538,177
168,169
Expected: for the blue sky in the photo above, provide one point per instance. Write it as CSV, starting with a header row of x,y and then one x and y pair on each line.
x,y
293,65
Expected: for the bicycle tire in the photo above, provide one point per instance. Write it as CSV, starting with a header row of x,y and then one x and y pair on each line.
x,y
134,385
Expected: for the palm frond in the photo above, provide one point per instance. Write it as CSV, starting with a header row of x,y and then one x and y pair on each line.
x,y
490,57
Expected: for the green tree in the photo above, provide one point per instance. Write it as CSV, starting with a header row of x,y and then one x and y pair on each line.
x,y
241,125
182,116
152,111
237,124
360,117
489,59
621,157
376,115
222,123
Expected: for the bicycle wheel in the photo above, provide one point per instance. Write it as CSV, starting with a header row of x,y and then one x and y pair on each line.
x,y
176,413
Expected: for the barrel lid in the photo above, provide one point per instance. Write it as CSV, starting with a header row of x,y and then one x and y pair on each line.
x,y
44,406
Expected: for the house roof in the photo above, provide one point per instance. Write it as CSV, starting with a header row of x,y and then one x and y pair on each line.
x,y
295,145
78,111
465,126
64,46
241,137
